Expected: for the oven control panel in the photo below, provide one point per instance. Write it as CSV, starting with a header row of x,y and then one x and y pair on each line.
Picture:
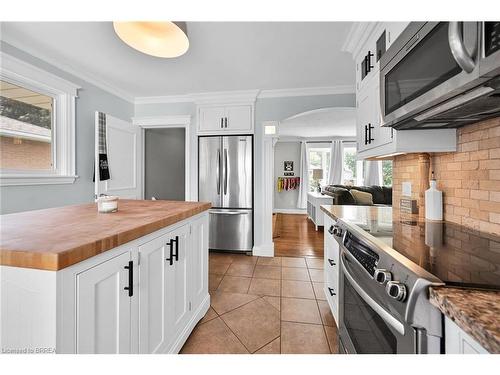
x,y
362,253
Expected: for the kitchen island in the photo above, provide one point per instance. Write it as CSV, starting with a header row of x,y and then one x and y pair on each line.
x,y
77,281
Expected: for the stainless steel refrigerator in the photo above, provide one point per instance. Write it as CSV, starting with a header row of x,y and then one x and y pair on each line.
x,y
225,170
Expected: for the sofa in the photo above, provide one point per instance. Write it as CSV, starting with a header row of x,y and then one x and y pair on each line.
x,y
381,195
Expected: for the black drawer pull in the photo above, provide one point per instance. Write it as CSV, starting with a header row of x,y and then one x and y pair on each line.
x,y
176,254
332,292
332,263
330,230
130,286
170,244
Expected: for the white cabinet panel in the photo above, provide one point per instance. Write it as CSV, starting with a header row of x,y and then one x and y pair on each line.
x,y
152,291
211,118
331,268
458,341
239,118
103,308
177,308
198,262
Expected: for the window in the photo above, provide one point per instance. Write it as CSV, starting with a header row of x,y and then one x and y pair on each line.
x,y
387,172
37,121
25,129
319,164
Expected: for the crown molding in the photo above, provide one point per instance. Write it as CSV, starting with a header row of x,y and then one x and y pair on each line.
x,y
166,99
236,96
307,91
357,36
66,67
150,121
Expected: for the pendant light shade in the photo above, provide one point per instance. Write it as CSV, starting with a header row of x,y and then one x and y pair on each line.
x,y
160,39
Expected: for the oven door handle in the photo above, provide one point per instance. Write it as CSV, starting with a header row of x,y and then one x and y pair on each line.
x,y
386,317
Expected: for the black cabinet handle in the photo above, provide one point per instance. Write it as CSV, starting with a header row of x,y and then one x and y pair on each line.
x,y
369,65
176,254
170,244
370,139
332,292
330,230
366,134
221,122
225,122
332,263
130,286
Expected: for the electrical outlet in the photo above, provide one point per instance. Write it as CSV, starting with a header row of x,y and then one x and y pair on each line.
x,y
406,189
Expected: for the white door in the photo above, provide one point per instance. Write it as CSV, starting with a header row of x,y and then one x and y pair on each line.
x,y
239,117
198,262
177,294
211,119
124,147
103,307
152,295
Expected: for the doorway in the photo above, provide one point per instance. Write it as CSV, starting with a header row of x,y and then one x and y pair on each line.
x,y
165,163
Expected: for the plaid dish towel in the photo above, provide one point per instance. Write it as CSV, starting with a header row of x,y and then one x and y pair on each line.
x,y
102,147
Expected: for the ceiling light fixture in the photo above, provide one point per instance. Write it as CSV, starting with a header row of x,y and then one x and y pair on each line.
x,y
160,39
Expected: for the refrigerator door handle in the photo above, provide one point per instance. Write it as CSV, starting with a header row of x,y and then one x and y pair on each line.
x,y
225,171
218,172
229,212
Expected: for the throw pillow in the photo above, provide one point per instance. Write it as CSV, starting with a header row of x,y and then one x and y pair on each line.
x,y
362,198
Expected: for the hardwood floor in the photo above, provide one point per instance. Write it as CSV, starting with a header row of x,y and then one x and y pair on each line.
x,y
295,236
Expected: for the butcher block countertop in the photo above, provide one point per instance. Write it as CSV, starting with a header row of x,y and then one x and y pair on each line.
x,y
56,238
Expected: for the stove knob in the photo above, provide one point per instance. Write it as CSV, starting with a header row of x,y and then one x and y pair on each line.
x,y
339,232
382,276
396,290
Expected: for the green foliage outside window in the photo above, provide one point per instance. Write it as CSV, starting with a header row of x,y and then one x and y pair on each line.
x,y
25,112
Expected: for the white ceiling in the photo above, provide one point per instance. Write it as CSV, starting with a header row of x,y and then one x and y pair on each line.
x,y
320,123
222,56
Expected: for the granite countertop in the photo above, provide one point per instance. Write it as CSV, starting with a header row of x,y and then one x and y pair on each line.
x,y
475,311
55,238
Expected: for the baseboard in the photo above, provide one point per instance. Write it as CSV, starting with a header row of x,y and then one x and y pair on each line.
x,y
197,316
266,250
289,211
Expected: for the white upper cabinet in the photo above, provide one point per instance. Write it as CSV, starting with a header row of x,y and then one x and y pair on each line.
x,y
373,140
225,119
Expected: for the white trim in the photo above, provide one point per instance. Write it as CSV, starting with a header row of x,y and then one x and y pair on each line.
x,y
165,99
263,250
18,180
26,135
168,122
290,211
161,121
357,36
68,68
316,139
226,97
63,142
307,91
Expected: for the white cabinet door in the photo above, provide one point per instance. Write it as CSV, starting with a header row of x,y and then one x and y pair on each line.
x,y
177,294
152,295
239,117
458,341
198,262
362,119
103,307
211,118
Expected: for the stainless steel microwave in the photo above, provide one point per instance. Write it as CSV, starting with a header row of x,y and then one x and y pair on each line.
x,y
441,75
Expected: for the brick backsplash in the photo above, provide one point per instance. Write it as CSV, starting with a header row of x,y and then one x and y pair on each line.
x,y
469,178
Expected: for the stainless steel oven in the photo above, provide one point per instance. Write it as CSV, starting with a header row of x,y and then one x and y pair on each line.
x,y
441,74
383,306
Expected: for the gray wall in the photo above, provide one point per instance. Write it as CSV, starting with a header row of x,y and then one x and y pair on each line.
x,y
91,99
286,151
165,164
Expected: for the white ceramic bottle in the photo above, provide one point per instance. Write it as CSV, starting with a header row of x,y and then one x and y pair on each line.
x,y
433,201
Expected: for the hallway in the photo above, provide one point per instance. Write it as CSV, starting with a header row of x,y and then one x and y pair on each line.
x,y
295,236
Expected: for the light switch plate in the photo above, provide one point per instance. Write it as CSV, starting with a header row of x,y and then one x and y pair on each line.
x,y
406,189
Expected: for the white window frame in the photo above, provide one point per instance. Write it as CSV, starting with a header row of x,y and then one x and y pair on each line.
x,y
64,93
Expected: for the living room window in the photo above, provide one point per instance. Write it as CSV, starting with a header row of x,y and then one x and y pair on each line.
x,y
319,164
37,125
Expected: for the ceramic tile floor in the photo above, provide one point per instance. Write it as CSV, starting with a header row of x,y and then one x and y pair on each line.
x,y
265,306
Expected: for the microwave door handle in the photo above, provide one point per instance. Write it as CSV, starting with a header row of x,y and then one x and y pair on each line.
x,y
457,46
386,317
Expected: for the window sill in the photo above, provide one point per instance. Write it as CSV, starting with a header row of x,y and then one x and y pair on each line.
x,y
19,180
